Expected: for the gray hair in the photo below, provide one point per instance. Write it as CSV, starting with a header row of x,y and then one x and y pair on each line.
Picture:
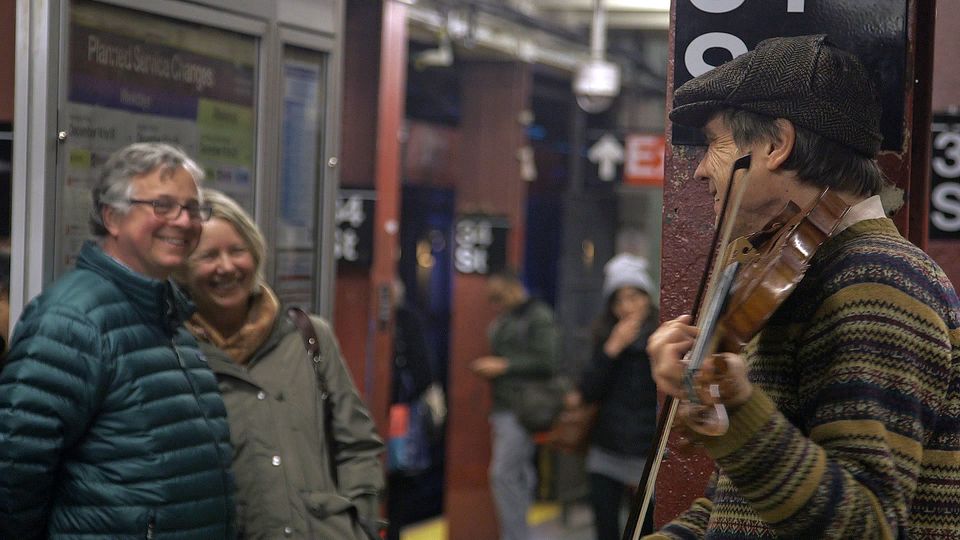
x,y
817,160
230,211
113,188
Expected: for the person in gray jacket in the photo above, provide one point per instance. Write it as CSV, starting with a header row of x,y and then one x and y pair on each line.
x,y
523,340
111,425
301,472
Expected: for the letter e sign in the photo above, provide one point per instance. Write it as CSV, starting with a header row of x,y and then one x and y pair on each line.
x,y
643,163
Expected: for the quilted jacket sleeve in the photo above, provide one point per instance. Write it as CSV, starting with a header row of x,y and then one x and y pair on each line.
x,y
48,395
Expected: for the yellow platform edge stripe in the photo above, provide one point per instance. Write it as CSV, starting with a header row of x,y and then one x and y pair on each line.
x,y
436,529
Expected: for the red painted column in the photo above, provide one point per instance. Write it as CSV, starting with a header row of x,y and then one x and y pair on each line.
x,y
375,59
390,112
494,94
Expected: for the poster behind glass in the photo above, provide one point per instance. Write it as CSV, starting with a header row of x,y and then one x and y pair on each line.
x,y
297,247
135,77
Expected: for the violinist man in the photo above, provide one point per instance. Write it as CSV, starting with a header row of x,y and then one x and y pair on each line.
x,y
845,408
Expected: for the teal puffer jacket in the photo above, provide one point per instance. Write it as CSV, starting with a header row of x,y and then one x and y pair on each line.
x,y
111,424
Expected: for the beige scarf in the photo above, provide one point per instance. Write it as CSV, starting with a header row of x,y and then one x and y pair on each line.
x,y
264,307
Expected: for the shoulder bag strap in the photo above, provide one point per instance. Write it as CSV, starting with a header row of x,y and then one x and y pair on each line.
x,y
310,341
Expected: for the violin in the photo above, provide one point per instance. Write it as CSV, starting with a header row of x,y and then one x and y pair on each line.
x,y
747,285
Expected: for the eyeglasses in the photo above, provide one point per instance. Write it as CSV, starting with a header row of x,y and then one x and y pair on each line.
x,y
170,209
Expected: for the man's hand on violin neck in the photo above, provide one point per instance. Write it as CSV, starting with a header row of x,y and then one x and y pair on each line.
x,y
667,346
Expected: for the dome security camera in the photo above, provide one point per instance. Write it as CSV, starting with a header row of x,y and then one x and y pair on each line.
x,y
596,84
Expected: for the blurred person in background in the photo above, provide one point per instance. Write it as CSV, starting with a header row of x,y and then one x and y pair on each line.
x,y
306,450
523,339
618,382
111,423
417,414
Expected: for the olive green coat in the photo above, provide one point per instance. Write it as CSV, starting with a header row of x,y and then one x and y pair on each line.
x,y
281,456
528,338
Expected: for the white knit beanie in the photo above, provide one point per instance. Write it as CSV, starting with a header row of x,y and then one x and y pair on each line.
x,y
626,270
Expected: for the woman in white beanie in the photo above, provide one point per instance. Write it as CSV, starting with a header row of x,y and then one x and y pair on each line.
x,y
618,380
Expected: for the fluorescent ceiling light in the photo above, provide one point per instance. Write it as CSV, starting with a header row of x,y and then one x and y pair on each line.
x,y
658,6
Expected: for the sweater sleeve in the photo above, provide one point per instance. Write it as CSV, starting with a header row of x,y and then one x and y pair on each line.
x,y
48,395
359,474
692,523
867,374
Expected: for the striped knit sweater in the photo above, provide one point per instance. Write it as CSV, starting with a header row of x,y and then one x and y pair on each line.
x,y
853,430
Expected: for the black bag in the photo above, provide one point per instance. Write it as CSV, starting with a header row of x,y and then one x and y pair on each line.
x,y
539,403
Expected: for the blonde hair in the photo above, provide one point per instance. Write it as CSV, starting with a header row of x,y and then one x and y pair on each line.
x,y
228,210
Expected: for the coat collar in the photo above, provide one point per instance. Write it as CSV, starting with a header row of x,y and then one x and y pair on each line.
x,y
262,313
221,364
157,301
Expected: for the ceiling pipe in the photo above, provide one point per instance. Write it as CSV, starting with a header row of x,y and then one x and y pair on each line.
x,y
555,29
638,74
598,31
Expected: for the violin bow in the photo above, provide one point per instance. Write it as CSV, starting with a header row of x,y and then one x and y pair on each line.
x,y
651,467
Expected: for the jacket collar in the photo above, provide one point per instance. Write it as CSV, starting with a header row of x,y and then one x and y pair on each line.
x,y
262,312
221,364
157,301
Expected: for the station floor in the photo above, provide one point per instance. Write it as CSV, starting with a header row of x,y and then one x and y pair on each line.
x,y
546,520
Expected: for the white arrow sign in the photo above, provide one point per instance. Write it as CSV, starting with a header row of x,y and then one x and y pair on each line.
x,y
608,153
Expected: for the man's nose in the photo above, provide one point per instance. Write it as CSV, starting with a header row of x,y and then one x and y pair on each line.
x,y
700,172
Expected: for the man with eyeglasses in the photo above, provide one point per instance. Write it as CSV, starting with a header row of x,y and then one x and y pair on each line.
x,y
111,422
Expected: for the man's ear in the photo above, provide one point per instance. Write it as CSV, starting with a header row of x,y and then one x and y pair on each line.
x,y
111,219
780,149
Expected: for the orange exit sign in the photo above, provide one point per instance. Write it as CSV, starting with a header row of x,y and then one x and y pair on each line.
x,y
643,160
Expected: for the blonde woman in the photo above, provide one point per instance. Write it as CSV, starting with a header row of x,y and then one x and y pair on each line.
x,y
293,480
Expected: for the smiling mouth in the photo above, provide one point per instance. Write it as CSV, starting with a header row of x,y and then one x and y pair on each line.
x,y
225,284
174,241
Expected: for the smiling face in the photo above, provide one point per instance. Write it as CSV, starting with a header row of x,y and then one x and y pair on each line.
x,y
222,271
715,166
148,244
770,188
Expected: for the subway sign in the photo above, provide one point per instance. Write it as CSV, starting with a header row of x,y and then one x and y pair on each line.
x,y
480,243
945,177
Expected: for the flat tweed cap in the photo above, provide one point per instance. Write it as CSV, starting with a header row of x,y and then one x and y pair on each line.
x,y
805,79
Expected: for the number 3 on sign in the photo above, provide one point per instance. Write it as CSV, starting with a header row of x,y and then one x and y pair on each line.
x,y
945,197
